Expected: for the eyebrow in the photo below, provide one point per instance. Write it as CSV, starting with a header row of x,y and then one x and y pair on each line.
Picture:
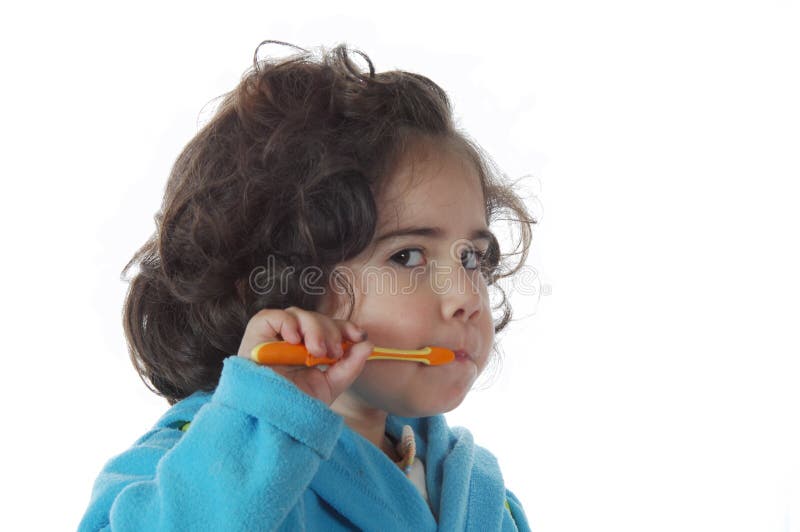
x,y
432,232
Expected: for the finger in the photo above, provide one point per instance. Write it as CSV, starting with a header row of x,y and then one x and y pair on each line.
x,y
268,324
312,331
351,331
283,324
333,337
329,335
342,374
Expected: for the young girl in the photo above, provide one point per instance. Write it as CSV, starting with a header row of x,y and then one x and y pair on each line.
x,y
340,210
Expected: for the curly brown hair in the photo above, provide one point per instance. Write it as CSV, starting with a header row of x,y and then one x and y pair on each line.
x,y
288,168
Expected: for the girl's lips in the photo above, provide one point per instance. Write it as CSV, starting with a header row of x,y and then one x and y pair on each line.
x,y
462,355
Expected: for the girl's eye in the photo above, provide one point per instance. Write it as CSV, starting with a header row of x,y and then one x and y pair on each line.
x,y
409,257
471,258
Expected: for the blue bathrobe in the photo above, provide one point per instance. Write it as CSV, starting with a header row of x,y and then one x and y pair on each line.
x,y
259,454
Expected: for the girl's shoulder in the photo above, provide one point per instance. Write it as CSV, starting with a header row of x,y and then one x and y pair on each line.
x,y
180,415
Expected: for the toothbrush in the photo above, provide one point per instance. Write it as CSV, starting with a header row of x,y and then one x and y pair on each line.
x,y
284,353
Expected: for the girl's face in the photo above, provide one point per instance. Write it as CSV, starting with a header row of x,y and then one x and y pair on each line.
x,y
419,284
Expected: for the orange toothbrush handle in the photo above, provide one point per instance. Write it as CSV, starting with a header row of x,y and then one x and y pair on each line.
x,y
280,353
286,354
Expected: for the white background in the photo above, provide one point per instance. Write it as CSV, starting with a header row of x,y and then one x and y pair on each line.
x,y
654,389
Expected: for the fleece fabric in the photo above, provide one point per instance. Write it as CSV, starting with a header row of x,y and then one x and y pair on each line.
x,y
259,454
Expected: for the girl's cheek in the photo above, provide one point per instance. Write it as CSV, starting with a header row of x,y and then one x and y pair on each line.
x,y
399,318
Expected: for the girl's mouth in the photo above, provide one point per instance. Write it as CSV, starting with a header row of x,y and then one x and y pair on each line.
x,y
462,356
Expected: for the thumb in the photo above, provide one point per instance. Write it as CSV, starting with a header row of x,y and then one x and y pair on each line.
x,y
342,374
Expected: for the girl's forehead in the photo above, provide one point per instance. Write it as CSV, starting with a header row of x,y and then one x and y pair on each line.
x,y
430,172
428,188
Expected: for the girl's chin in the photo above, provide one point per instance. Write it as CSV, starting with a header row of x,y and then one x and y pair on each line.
x,y
420,392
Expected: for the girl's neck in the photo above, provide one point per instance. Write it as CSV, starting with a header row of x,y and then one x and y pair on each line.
x,y
368,422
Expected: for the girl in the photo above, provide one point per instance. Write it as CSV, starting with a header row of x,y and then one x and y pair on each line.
x,y
341,210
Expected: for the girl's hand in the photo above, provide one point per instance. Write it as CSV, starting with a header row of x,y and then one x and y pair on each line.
x,y
322,336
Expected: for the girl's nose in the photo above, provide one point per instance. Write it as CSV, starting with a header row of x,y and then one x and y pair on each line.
x,y
459,294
